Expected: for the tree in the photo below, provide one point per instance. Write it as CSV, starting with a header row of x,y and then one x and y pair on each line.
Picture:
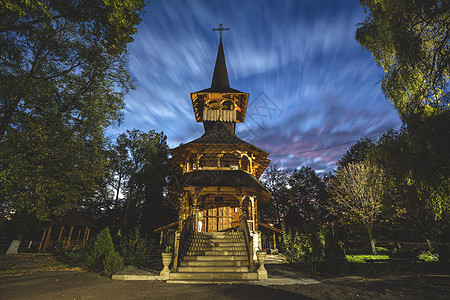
x,y
63,79
308,194
141,169
410,40
357,191
357,152
276,181
415,163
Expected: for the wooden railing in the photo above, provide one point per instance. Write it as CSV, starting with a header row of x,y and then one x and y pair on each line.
x,y
243,227
274,229
162,229
180,241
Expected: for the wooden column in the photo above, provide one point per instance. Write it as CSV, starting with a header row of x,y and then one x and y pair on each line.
x,y
274,240
241,201
47,239
89,231
219,156
78,236
70,236
161,238
256,214
60,233
41,244
85,234
195,210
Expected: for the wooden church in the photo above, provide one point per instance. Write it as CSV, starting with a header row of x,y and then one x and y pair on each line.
x,y
217,186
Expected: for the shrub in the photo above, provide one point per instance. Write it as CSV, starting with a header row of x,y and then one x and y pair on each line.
x,y
296,246
428,256
135,248
112,263
333,250
73,257
382,250
361,258
103,244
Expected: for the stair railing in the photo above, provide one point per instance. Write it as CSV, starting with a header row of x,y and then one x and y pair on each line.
x,y
243,227
180,241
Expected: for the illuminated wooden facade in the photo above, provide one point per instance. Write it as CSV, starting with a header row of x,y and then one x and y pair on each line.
x,y
218,172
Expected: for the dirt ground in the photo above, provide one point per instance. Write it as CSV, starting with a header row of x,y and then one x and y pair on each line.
x,y
42,277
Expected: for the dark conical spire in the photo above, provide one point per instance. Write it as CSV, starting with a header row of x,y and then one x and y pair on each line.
x,y
220,76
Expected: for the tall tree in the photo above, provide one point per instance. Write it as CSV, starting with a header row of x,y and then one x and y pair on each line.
x,y
410,40
417,174
276,181
357,152
357,191
308,194
141,170
63,78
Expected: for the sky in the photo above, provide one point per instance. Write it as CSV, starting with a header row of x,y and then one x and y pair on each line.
x,y
313,89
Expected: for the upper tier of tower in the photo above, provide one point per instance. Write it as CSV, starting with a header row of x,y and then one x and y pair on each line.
x,y
220,102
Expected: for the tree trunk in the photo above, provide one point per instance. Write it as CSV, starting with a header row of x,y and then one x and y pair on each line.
x,y
130,210
372,242
116,202
430,244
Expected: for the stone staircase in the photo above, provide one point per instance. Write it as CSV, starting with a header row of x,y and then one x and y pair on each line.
x,y
214,257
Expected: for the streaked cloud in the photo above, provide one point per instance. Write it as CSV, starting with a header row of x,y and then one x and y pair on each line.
x,y
320,87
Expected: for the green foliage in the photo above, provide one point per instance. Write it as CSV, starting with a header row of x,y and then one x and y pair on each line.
x,y
276,181
302,248
74,257
140,164
428,256
382,250
360,258
112,263
309,196
409,39
63,79
357,153
135,248
415,161
103,245
295,245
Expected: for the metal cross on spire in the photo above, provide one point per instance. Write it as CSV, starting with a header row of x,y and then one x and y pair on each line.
x,y
220,29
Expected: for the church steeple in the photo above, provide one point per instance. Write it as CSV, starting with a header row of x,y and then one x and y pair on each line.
x,y
220,103
220,77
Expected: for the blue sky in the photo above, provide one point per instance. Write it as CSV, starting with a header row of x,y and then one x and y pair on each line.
x,y
311,85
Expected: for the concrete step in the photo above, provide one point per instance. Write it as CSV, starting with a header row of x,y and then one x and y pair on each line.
x,y
216,253
275,259
215,281
214,276
214,257
218,263
217,248
218,234
215,269
219,241
219,244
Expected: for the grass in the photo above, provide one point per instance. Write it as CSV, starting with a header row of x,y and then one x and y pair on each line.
x,y
360,258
